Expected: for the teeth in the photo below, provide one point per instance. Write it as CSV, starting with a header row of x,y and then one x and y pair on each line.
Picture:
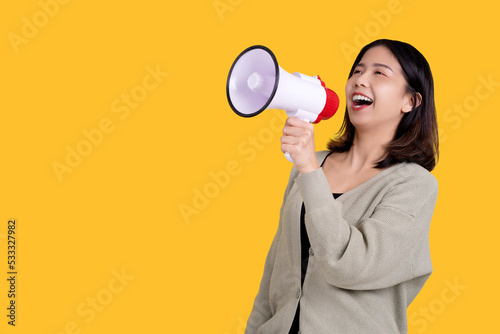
x,y
357,98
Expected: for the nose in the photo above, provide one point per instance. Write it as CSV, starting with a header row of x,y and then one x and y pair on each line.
x,y
361,80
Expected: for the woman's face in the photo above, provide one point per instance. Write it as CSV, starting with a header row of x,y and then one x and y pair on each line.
x,y
376,92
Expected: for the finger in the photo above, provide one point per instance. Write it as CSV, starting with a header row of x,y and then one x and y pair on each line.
x,y
305,135
297,122
288,148
293,131
290,140
288,123
294,144
292,149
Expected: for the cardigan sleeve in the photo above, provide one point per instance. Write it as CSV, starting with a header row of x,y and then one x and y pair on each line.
x,y
261,311
388,247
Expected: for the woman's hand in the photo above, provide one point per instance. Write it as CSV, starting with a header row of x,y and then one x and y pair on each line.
x,y
298,141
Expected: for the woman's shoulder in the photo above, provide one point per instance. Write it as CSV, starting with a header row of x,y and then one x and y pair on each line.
x,y
410,172
409,186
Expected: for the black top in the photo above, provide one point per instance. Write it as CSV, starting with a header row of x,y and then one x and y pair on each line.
x,y
304,241
305,245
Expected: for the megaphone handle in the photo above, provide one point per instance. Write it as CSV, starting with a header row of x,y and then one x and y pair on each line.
x,y
287,155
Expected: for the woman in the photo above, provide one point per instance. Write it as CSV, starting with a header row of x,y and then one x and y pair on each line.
x,y
352,247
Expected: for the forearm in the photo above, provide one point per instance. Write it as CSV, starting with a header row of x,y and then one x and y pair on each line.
x,y
375,252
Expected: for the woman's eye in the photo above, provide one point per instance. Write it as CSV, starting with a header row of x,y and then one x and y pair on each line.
x,y
356,71
378,72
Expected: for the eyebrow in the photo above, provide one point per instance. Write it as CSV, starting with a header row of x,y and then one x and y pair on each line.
x,y
377,65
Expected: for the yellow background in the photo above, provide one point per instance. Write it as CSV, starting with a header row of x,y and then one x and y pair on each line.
x,y
118,211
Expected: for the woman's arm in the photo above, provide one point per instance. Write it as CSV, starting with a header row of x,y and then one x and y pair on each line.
x,y
381,250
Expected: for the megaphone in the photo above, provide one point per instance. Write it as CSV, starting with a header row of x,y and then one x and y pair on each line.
x,y
256,82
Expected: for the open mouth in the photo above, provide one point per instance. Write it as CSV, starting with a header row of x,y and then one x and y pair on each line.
x,y
360,101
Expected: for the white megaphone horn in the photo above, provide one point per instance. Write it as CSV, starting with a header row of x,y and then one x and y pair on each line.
x,y
256,82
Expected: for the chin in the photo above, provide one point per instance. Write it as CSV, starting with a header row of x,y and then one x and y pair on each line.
x,y
359,120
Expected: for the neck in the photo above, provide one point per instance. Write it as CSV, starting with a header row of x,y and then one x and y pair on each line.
x,y
366,150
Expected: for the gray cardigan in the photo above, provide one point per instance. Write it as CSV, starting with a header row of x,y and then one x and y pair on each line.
x,y
368,260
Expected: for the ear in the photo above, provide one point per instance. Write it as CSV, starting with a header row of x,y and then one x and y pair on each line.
x,y
411,100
